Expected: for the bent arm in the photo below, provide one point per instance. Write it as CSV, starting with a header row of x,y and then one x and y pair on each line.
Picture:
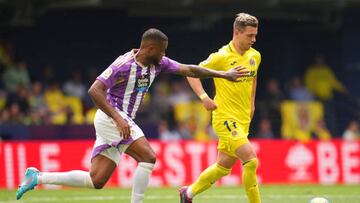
x,y
196,85
97,94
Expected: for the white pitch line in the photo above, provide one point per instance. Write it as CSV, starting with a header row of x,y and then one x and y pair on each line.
x,y
170,197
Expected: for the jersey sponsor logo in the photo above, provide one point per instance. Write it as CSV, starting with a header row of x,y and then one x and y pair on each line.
x,y
233,63
107,73
246,75
142,83
252,62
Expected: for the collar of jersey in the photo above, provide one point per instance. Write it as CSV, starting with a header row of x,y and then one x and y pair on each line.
x,y
233,50
135,51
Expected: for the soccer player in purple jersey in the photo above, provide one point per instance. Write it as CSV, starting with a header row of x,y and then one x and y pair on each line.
x,y
118,93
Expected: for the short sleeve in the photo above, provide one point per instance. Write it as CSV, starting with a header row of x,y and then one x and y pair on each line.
x,y
258,59
169,66
108,76
212,62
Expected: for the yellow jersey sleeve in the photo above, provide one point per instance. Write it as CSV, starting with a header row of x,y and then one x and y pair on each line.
x,y
215,61
258,56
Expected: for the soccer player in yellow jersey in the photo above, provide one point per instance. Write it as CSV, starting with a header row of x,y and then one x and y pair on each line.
x,y
233,109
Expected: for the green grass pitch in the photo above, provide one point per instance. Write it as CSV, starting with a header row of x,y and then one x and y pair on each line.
x,y
270,194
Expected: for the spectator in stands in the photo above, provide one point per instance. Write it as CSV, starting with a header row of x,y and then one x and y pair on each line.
x,y
321,80
352,132
321,131
17,75
91,75
264,129
2,94
165,133
58,110
21,98
269,104
308,128
6,54
180,93
38,108
13,115
75,87
160,103
47,76
183,130
298,91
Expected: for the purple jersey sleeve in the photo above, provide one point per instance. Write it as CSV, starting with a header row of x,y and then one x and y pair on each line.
x,y
169,66
108,77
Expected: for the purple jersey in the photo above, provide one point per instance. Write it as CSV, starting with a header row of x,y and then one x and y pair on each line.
x,y
127,81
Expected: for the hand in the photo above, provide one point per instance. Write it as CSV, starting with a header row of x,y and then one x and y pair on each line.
x,y
234,73
209,104
123,127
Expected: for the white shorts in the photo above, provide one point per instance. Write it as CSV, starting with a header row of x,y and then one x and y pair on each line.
x,y
109,142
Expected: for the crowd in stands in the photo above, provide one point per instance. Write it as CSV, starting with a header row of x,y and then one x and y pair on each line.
x,y
300,109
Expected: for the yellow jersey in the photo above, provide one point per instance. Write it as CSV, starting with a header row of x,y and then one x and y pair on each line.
x,y
234,98
321,81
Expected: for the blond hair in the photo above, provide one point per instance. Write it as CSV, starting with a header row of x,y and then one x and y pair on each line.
x,y
243,19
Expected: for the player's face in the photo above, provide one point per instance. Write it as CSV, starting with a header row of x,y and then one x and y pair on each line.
x,y
157,51
246,37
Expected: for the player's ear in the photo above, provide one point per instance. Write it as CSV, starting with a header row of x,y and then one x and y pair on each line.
x,y
236,31
240,30
149,49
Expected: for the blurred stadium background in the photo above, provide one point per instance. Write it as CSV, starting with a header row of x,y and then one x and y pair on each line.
x,y
305,128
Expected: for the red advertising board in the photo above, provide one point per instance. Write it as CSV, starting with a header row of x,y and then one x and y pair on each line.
x,y
179,163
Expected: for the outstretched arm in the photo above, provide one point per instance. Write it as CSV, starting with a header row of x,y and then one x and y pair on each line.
x,y
199,72
196,85
97,94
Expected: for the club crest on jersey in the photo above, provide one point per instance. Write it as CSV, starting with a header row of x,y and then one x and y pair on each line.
x,y
142,83
252,62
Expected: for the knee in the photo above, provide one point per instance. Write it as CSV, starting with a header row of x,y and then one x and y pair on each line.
x,y
97,181
223,171
251,164
149,158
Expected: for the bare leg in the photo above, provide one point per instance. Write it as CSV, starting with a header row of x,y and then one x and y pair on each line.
x,y
225,160
101,170
245,152
141,151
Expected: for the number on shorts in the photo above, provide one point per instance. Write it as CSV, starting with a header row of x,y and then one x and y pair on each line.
x,y
226,123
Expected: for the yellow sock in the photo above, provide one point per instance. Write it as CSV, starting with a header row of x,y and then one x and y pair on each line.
x,y
250,181
207,178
